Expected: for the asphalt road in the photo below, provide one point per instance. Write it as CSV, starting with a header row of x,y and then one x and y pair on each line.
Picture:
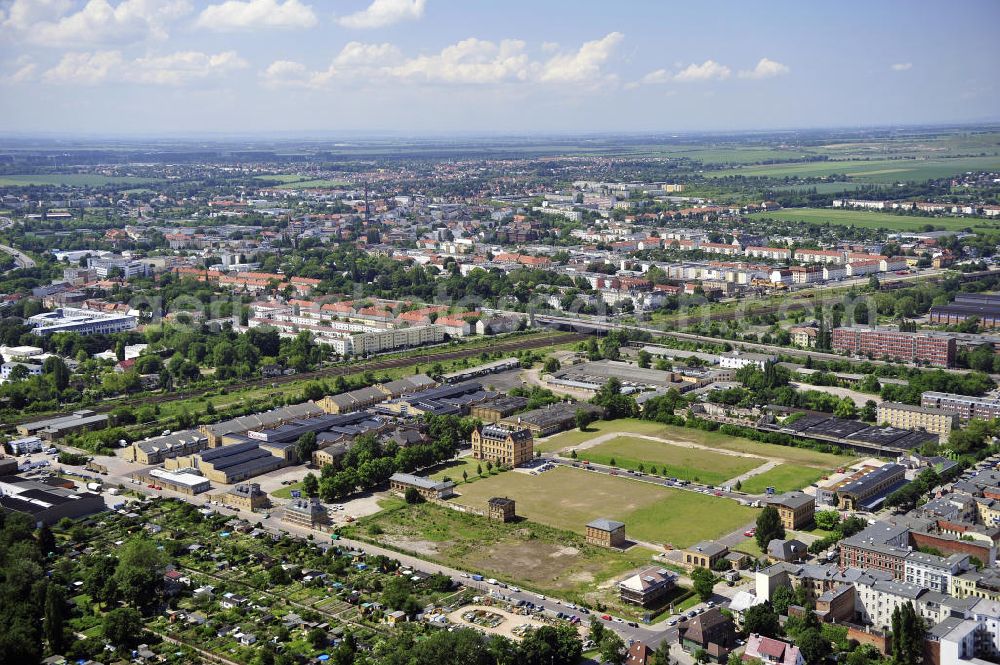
x,y
22,259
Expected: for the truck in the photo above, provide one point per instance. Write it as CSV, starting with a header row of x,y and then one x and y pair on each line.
x,y
94,487
114,491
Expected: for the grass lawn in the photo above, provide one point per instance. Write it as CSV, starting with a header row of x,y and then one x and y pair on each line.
x,y
675,461
532,555
750,547
783,478
454,469
804,456
568,498
869,219
286,491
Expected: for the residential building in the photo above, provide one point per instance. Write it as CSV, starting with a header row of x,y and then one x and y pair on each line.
x,y
606,533
789,550
30,369
711,631
247,496
796,509
771,651
932,571
909,416
932,349
881,547
704,554
804,336
647,588
427,488
305,512
739,359
967,407
507,447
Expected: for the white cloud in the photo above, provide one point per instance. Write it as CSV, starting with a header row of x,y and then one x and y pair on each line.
x,y
47,22
902,66
84,68
469,62
184,66
249,14
657,76
24,72
706,71
381,13
585,64
170,69
765,69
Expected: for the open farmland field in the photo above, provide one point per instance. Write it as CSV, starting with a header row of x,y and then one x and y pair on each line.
x,y
874,170
70,180
803,456
674,461
531,554
870,219
567,498
783,478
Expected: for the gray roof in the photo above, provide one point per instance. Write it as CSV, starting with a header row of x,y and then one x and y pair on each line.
x,y
604,524
708,547
421,481
793,500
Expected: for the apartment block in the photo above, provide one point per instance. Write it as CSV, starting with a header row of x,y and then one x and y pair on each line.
x,y
909,416
967,407
911,347
508,447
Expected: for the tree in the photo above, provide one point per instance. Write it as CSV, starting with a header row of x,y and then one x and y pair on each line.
x,y
813,646
120,350
782,597
769,527
310,485
869,412
583,419
612,649
703,583
306,446
827,519
139,573
597,630
55,615
317,638
551,365
122,627
412,496
761,619
908,631
846,409
46,541
644,358
57,371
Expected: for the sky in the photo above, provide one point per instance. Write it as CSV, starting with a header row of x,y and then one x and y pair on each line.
x,y
413,67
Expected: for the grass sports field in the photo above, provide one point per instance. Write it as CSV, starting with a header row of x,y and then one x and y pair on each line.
x,y
803,456
783,478
70,180
630,452
872,220
567,498
875,170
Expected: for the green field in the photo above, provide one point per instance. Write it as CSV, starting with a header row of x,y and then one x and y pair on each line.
x,y
871,219
454,469
567,498
674,461
803,456
526,553
70,180
873,170
783,478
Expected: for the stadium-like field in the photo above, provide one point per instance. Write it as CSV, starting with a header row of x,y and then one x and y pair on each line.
x,y
872,220
568,498
629,452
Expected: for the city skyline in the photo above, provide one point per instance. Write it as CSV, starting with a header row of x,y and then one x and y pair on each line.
x,y
420,67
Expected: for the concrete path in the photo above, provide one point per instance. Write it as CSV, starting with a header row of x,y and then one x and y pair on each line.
x,y
763,468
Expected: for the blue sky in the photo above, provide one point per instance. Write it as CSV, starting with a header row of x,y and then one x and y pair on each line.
x,y
508,66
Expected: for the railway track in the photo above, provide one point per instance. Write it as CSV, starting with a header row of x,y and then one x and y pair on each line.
x,y
337,370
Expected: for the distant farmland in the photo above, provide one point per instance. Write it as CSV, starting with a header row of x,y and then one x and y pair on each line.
x,y
873,171
873,220
71,180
